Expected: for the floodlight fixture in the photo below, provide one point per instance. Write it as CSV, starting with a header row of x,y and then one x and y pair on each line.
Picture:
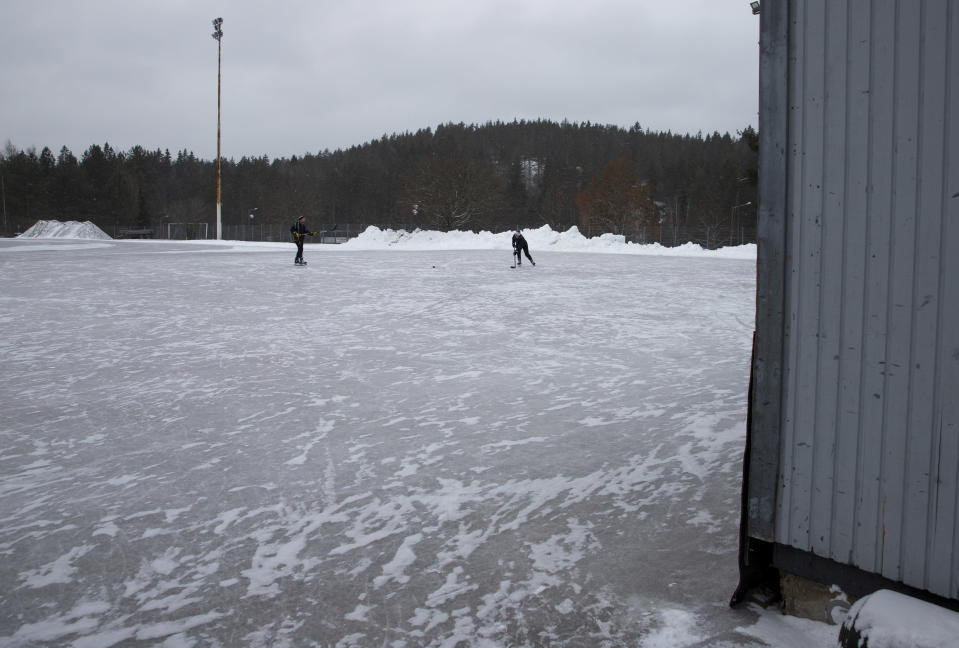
x,y
755,6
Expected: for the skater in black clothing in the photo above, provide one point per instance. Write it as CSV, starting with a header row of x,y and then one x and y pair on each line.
x,y
520,246
299,232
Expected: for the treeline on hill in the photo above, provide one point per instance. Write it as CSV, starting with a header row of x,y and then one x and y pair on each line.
x,y
646,185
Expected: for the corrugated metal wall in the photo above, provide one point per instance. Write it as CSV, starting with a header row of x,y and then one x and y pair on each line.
x,y
869,445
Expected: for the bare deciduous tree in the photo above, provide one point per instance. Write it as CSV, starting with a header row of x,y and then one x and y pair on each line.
x,y
616,200
451,194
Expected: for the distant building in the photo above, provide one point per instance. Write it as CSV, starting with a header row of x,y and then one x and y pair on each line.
x,y
853,453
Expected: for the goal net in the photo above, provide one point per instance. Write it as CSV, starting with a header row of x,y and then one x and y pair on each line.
x,y
187,231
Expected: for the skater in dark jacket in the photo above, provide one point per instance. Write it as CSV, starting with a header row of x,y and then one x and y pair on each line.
x,y
520,246
300,232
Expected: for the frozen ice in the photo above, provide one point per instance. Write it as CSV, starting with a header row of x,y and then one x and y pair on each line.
x,y
204,445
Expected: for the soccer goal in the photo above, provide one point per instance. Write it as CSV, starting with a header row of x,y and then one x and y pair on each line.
x,y
187,231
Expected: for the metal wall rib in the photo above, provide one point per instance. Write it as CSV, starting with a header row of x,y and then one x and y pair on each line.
x,y
869,428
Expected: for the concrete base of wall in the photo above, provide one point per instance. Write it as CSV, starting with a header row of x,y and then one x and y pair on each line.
x,y
811,600
853,582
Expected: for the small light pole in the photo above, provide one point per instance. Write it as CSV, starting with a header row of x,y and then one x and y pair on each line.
x,y
732,221
3,187
251,222
218,36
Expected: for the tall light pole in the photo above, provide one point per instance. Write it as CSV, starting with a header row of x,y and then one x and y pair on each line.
x,y
218,35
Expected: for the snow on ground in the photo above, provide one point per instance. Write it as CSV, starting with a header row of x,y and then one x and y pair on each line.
x,y
374,238
45,229
541,239
204,445
887,619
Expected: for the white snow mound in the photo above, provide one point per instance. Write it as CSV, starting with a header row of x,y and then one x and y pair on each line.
x,y
543,238
887,619
69,230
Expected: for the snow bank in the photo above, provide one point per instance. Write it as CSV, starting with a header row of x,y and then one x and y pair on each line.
x,y
543,238
68,230
887,619
374,238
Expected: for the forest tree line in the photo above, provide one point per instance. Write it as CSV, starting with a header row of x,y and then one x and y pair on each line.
x,y
649,186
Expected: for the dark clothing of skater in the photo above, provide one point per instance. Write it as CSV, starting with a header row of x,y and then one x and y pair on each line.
x,y
300,232
520,245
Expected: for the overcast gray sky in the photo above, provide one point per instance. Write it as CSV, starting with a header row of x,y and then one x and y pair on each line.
x,y
301,77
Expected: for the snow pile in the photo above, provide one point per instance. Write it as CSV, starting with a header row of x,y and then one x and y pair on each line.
x,y
68,230
887,619
543,238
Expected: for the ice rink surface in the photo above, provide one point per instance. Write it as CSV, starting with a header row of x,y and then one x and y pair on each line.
x,y
207,446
